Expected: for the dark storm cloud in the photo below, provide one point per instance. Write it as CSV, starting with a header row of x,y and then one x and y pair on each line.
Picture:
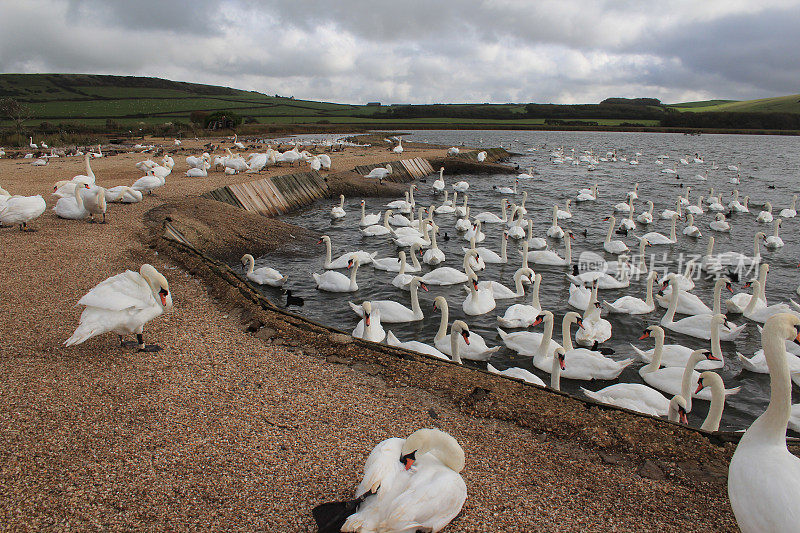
x,y
421,51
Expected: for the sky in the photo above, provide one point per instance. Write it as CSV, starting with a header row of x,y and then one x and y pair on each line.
x,y
422,51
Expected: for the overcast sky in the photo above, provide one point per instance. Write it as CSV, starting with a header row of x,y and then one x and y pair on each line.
x,y
422,51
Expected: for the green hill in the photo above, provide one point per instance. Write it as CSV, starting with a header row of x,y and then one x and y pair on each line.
x,y
778,104
129,99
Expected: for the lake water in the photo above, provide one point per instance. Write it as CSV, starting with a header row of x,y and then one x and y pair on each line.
x,y
763,161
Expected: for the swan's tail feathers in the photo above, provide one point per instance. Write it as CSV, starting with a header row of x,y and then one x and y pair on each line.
x,y
391,340
575,281
794,304
373,255
491,369
339,516
590,394
502,334
491,350
610,308
640,353
733,391
746,364
508,323
81,335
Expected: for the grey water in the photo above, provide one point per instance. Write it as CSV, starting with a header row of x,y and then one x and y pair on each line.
x,y
769,171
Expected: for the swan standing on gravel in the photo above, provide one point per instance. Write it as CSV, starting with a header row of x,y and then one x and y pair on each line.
x,y
417,483
124,304
21,210
764,477
631,305
332,281
94,201
264,275
475,350
392,312
72,208
369,327
380,173
123,194
148,183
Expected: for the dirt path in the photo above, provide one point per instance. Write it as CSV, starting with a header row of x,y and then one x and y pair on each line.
x,y
225,430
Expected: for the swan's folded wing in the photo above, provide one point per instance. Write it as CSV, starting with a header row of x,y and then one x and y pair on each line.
x,y
429,503
123,291
381,466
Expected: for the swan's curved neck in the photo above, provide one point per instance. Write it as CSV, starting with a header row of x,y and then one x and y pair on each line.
x,y
555,373
611,222
762,279
642,259
751,305
525,254
544,346
443,321
78,197
711,423
658,352
649,298
757,245
403,264
530,229
353,277
686,381
518,288
716,349
770,427
415,300
327,252
456,357
590,307
673,302
566,335
503,247
718,296
251,264
414,260
503,210
710,247
568,244
672,235
535,293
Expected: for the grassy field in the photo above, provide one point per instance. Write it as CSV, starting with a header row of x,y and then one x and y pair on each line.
x,y
778,104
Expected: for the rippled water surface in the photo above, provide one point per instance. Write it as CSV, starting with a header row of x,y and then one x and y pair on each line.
x,y
763,161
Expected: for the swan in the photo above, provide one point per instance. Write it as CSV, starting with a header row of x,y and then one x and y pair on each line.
x,y
759,313
613,246
123,194
655,238
479,301
507,190
549,257
587,195
401,280
714,416
537,243
380,173
737,207
414,346
332,281
148,183
765,216
633,396
584,364
399,148
685,202
529,377
790,212
675,380
774,241
566,212
555,231
475,349
124,304
757,363
738,302
264,275
239,145
490,256
624,207
72,208
403,206
690,230
32,145
487,217
417,483
461,186
603,280
526,175
647,216
676,355
395,264
532,343
628,224
338,210
438,184
433,255
367,219
369,327
377,230
476,263
719,223
764,477
21,210
691,304
580,295
343,260
447,206
523,315
464,223
667,214
475,233
697,325
392,312
94,201
696,209
517,231
461,210
403,241
594,329
501,292
634,306
449,275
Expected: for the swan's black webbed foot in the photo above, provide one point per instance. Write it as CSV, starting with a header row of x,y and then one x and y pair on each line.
x,y
150,348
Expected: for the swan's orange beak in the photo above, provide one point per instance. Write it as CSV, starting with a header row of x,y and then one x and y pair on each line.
x,y
423,287
682,416
465,335
163,294
366,319
319,241
748,285
580,323
700,385
561,361
797,339
434,307
728,286
645,335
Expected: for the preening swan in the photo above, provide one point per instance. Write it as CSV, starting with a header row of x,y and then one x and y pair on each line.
x,y
21,210
264,275
764,477
124,304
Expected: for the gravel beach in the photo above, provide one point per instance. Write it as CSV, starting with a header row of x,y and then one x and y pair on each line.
x,y
230,429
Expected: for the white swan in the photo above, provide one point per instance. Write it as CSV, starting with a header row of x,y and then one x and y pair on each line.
x,y
667,214
549,257
647,216
613,246
343,260
487,217
587,195
368,219
417,483
675,354
529,377
475,232
760,313
696,209
536,243
380,173
332,281
565,213
764,477
688,303
123,194
433,255
738,302
674,380
475,350
490,256
714,416
790,212
395,264
765,216
719,223
532,343
264,275
690,230
449,275
507,190
369,327
392,312
631,305
655,238
338,211
461,186
148,183
377,230
94,201
72,208
124,304
21,210
774,241
523,315
479,300
438,184
414,346
633,396
401,280
697,325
